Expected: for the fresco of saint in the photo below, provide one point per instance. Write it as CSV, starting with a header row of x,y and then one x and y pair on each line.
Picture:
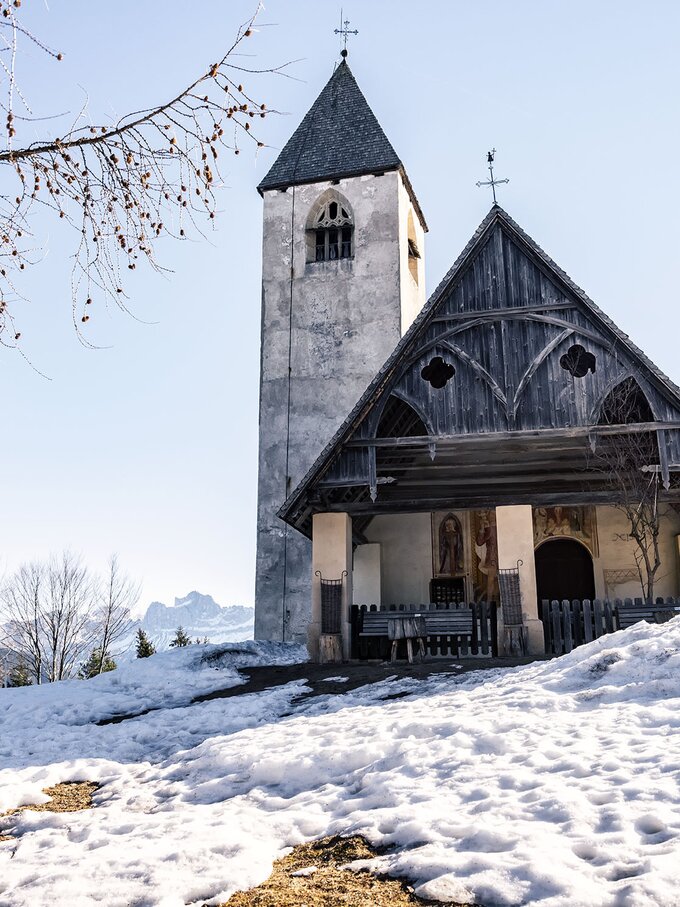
x,y
450,546
572,522
486,547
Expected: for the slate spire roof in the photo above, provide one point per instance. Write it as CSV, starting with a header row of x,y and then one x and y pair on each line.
x,y
339,137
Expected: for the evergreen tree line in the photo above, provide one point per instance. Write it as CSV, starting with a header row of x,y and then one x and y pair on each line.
x,y
144,646
99,664
99,661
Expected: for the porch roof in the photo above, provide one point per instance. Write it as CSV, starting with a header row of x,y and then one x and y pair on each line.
x,y
474,471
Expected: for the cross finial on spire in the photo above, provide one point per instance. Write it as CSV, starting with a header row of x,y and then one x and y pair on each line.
x,y
345,31
492,182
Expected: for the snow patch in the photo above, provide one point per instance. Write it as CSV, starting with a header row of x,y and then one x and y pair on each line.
x,y
307,871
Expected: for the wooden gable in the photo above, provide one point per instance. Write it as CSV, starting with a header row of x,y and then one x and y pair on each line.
x,y
509,360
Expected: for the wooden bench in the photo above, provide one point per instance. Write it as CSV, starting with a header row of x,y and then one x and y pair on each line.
x,y
456,622
627,615
408,625
374,623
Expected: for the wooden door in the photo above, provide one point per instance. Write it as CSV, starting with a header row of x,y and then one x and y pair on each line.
x,y
564,569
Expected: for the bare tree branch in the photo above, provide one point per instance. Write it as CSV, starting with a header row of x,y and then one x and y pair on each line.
x,y
627,463
117,595
67,616
123,186
22,627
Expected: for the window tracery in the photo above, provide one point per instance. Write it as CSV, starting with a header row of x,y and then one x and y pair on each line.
x,y
333,232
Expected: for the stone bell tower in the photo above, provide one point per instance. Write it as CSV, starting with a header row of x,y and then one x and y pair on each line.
x,y
342,279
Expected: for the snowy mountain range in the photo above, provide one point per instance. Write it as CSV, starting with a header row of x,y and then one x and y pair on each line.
x,y
199,615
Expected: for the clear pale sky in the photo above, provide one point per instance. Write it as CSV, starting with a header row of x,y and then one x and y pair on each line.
x,y
148,447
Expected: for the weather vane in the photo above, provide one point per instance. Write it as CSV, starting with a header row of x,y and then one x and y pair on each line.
x,y
492,182
345,31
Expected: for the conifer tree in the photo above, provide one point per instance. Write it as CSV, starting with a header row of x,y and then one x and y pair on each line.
x,y
19,676
181,639
98,663
144,645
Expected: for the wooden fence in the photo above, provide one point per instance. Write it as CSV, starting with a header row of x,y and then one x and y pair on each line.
x,y
484,639
568,624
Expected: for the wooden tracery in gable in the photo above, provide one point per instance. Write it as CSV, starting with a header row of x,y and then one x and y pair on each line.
x,y
511,355
514,364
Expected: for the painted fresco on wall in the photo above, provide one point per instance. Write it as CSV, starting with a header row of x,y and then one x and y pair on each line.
x,y
485,555
448,549
566,522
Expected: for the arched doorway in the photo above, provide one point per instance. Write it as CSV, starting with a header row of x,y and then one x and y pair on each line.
x,y
564,569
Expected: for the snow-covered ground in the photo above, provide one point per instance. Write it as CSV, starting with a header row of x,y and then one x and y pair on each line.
x,y
554,784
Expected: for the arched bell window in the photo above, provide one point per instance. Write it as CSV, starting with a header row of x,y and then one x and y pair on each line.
x,y
333,231
413,253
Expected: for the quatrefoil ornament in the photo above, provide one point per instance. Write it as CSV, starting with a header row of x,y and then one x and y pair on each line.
x,y
577,361
438,372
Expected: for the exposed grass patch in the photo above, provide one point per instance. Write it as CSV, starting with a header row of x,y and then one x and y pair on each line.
x,y
66,797
328,885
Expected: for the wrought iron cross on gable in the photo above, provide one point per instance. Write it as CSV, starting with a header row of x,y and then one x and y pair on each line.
x,y
345,31
492,181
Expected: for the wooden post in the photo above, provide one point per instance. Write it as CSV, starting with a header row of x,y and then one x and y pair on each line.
x,y
330,649
331,558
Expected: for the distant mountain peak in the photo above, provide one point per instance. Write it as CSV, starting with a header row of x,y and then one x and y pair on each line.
x,y
192,597
201,616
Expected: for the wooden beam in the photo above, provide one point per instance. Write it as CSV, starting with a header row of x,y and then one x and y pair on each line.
x,y
581,432
358,538
561,459
572,477
479,502
455,477
509,310
352,481
419,505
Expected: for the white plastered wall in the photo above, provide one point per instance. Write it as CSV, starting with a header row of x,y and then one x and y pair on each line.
x,y
406,557
367,573
616,552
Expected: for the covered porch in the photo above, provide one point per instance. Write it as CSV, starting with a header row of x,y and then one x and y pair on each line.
x,y
508,520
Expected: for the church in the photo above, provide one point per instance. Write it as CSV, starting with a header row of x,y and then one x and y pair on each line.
x,y
487,442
